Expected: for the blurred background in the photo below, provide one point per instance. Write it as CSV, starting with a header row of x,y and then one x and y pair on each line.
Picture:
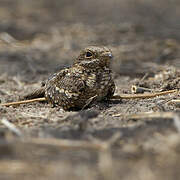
x,y
40,37
24,19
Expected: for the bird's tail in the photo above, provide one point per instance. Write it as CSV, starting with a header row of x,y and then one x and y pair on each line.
x,y
38,93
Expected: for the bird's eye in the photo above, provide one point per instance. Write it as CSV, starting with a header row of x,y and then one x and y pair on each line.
x,y
88,54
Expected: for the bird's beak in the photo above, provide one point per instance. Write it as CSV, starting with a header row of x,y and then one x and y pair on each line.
x,y
109,55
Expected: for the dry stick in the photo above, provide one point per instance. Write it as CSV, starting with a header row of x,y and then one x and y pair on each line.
x,y
23,102
122,96
11,127
147,115
68,144
143,96
174,101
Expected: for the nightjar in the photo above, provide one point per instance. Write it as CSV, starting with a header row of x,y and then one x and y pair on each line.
x,y
89,79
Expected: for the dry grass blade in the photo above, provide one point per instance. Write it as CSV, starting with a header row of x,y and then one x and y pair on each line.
x,y
23,102
11,127
175,100
68,144
143,96
147,115
75,144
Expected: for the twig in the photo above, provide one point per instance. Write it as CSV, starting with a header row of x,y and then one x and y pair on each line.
x,y
11,127
89,101
147,115
23,102
67,144
143,96
175,101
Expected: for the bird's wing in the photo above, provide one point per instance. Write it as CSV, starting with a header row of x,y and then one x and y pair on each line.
x,y
71,80
65,87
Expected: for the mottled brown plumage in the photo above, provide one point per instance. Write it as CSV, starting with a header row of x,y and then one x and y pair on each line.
x,y
88,79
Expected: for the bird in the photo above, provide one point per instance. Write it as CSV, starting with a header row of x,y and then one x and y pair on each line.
x,y
88,80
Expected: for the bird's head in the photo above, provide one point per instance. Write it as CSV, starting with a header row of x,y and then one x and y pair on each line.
x,y
102,54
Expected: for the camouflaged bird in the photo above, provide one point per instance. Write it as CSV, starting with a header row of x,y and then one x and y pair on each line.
x,y
88,80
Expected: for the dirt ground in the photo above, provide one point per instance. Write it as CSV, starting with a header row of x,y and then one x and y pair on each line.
x,y
128,139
